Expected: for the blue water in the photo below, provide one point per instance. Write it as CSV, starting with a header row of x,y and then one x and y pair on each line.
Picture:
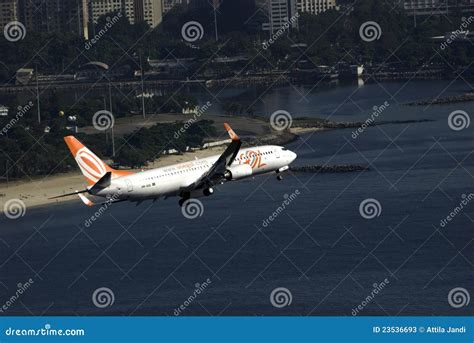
x,y
320,248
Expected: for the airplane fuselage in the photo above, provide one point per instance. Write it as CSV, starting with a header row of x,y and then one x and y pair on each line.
x,y
186,180
170,180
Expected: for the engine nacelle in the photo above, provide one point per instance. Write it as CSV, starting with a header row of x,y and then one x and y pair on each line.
x,y
238,172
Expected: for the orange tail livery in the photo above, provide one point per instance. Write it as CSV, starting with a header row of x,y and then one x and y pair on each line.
x,y
92,167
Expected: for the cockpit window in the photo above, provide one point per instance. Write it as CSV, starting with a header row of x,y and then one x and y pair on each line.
x,y
284,149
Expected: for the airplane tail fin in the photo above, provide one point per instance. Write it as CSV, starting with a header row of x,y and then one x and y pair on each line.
x,y
92,167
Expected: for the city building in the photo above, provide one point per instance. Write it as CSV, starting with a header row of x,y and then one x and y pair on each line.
x,y
24,76
169,4
281,13
315,6
3,111
150,11
9,11
54,15
436,7
98,8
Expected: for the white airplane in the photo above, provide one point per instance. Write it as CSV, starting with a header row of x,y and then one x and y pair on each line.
x,y
186,180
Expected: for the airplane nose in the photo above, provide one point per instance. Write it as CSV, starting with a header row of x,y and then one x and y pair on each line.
x,y
293,156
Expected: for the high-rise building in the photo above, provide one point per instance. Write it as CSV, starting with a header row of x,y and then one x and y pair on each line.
x,y
424,6
315,6
53,15
85,19
169,4
152,12
99,8
135,10
434,7
280,14
9,11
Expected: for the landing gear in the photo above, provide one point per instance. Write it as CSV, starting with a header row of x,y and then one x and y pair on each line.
x,y
280,171
184,197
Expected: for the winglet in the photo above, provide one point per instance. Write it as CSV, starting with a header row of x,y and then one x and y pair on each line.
x,y
231,132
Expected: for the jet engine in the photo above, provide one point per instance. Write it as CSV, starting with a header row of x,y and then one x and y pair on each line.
x,y
238,172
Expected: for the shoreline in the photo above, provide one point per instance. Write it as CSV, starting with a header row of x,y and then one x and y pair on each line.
x,y
453,99
35,192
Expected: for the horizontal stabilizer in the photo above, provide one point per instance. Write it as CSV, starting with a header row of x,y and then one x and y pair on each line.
x,y
69,194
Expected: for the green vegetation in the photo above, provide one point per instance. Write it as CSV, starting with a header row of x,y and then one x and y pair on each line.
x,y
144,146
26,150
123,105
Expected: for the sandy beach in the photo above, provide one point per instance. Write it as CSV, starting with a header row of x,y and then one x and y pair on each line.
x,y
35,192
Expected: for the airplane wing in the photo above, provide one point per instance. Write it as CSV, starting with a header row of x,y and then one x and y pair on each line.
x,y
216,173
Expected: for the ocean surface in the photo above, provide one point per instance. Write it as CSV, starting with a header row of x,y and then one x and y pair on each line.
x,y
318,256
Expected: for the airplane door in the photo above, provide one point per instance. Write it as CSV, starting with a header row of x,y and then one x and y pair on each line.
x,y
277,153
129,185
